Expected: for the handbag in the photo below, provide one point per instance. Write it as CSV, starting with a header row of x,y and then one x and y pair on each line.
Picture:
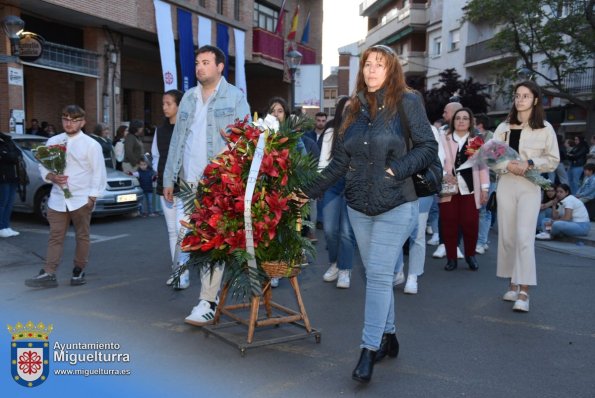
x,y
492,203
427,182
449,189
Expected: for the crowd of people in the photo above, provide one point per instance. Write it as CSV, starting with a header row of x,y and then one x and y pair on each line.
x,y
366,198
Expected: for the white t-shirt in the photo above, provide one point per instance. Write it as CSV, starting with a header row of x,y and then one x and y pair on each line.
x,y
579,211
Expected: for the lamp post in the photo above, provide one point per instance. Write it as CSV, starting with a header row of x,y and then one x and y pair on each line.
x,y
293,59
12,26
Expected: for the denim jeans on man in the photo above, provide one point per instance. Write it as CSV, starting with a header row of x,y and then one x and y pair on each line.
x,y
7,191
340,241
574,176
380,240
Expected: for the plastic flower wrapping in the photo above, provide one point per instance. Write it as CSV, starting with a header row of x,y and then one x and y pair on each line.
x,y
217,223
53,158
495,155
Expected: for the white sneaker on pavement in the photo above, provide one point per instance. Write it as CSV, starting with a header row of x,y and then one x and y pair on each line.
x,y
5,233
13,232
331,273
411,285
543,236
398,278
459,254
440,251
429,230
434,240
201,315
344,279
479,249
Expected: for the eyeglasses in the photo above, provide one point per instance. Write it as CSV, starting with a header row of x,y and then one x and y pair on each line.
x,y
384,49
518,97
67,120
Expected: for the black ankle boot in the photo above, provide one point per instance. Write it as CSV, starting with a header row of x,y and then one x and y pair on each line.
x,y
389,345
365,366
472,263
451,265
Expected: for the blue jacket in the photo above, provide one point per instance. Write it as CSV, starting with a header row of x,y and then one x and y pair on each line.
x,y
587,189
228,105
369,147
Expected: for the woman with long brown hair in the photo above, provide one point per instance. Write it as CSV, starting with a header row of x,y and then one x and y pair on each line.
x,y
371,153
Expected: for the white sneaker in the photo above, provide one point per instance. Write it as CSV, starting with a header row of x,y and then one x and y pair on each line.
x,y
434,241
344,279
479,249
274,282
511,295
440,252
459,254
411,285
429,230
521,305
13,232
398,278
5,233
540,236
331,273
201,315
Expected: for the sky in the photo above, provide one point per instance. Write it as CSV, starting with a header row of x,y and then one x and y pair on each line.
x,y
342,25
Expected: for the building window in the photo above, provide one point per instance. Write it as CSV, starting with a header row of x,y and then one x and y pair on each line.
x,y
220,7
236,10
437,46
454,38
265,17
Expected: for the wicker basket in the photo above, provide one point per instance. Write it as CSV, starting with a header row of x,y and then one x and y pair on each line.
x,y
280,269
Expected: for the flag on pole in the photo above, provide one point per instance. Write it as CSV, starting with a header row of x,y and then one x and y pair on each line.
x,y
294,24
280,19
306,33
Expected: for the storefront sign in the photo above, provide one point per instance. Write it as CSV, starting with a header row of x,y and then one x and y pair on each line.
x,y
30,47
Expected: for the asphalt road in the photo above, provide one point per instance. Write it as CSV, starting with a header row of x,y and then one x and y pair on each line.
x,y
458,338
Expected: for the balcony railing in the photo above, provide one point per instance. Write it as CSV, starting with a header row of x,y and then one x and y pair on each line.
x,y
69,59
481,51
270,46
580,83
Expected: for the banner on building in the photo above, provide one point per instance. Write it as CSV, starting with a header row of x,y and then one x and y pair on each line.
x,y
204,31
308,86
167,47
239,40
186,49
223,44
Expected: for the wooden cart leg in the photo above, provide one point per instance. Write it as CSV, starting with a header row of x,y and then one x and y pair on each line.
x,y
253,317
298,296
221,303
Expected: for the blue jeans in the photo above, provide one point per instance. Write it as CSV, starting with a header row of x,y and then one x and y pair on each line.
x,y
147,206
570,228
433,215
340,241
543,215
485,220
417,241
561,173
7,191
380,240
574,176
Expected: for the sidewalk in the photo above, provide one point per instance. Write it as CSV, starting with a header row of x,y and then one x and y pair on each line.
x,y
583,246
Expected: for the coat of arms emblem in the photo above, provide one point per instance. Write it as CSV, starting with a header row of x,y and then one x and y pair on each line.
x,y
29,353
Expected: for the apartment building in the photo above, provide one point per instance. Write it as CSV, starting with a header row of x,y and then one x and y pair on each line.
x,y
104,55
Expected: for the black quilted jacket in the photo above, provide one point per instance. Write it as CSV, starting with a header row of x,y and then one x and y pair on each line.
x,y
369,147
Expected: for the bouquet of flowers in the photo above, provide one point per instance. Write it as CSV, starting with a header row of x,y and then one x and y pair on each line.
x,y
493,154
217,222
53,158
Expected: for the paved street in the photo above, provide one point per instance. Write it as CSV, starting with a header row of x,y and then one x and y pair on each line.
x,y
458,338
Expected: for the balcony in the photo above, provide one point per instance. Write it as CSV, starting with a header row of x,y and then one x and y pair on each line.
x,y
370,7
482,53
270,46
397,24
413,62
68,59
580,83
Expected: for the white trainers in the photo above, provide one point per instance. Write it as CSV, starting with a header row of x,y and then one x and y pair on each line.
x,y
459,254
511,295
440,252
398,278
274,282
201,315
344,279
331,273
480,249
7,233
434,240
543,236
521,305
429,230
411,285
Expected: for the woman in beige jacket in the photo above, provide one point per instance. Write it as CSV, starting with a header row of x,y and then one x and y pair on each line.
x,y
526,131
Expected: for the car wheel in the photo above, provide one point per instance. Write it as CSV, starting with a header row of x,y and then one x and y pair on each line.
x,y
41,203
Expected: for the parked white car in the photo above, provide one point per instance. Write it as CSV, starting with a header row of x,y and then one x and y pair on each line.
x,y
122,193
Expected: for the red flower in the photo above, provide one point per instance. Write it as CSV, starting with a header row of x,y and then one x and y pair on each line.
x,y
473,145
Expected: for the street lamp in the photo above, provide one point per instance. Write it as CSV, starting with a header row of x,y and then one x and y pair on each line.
x,y
293,59
13,25
525,74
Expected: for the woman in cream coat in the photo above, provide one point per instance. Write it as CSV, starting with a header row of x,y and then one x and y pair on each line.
x,y
526,131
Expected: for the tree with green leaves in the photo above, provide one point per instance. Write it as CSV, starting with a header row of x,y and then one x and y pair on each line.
x,y
469,92
554,41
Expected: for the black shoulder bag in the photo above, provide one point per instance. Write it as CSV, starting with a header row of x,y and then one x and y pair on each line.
x,y
428,181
